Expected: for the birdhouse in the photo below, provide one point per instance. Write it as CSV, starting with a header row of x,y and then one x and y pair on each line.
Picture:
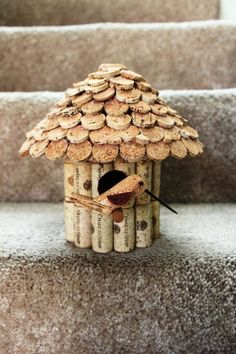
x,y
112,130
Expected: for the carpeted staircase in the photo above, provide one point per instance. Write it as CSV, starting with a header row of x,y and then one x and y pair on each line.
x,y
177,297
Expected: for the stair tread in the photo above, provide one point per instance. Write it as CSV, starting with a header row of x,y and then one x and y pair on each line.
x,y
169,55
174,297
37,230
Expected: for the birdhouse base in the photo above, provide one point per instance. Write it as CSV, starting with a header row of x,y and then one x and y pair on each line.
x,y
87,228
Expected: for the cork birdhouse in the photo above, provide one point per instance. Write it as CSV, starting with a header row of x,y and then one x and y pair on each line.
x,y
111,131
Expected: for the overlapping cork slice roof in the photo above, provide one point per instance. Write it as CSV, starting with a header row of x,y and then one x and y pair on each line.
x,y
113,113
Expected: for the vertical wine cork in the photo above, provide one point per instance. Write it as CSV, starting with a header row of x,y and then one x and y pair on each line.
x,y
102,225
83,227
144,169
98,170
69,221
124,232
102,232
82,178
69,207
155,219
143,226
156,178
128,169
82,215
68,179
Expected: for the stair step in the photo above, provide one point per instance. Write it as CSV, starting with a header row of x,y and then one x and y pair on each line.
x,y
175,297
208,178
171,55
28,13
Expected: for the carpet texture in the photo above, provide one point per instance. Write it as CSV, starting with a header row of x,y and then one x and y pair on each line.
x,y
175,297
59,12
169,55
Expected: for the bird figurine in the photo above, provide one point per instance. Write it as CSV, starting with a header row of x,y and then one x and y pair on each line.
x,y
111,201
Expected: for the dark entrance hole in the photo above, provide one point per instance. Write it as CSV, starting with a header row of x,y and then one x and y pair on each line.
x,y
109,180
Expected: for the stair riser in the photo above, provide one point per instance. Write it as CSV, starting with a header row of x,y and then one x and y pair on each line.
x,y
28,13
208,178
52,58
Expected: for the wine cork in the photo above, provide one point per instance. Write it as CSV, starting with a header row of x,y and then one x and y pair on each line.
x,y
128,169
68,179
98,170
82,215
69,221
124,232
143,226
82,227
155,219
156,178
144,169
82,178
102,232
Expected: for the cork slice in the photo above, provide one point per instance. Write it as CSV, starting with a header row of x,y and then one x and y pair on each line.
x,y
71,92
130,96
97,89
114,138
121,83
143,86
129,74
79,152
105,74
157,151
178,121
93,122
158,109
129,133
105,153
77,134
70,122
165,121
52,123
142,139
56,149
188,132
154,134
38,148
140,107
64,102
178,150
143,120
149,97
191,146
200,146
96,82
92,107
116,108
32,132
41,134
132,152
109,66
81,85
105,95
171,134
100,136
25,148
57,134
121,122
82,99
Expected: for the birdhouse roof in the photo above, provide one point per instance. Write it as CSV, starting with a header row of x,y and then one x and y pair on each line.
x,y
113,112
